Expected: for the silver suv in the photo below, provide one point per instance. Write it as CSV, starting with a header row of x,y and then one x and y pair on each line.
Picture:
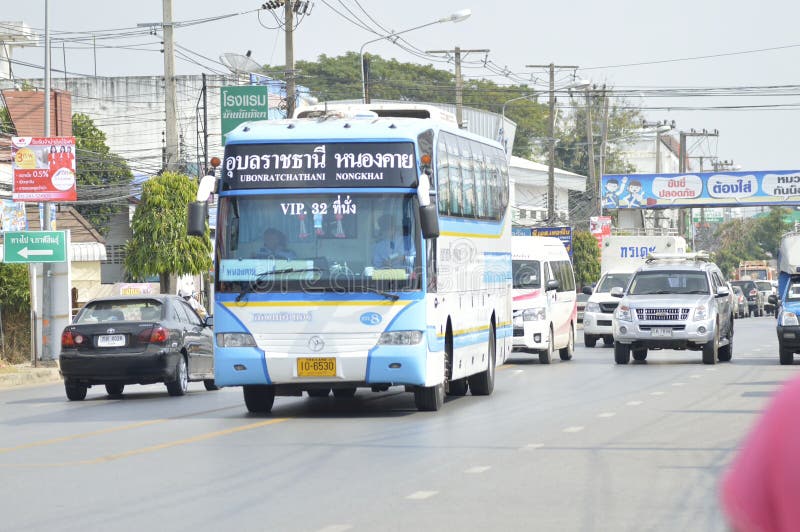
x,y
674,302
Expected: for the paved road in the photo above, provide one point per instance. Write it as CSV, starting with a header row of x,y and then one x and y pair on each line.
x,y
581,445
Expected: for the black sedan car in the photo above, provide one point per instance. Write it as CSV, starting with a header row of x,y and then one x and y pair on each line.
x,y
136,340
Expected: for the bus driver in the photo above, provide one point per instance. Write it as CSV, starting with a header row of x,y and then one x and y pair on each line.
x,y
393,246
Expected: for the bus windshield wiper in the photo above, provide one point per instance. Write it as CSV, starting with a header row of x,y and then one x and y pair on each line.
x,y
387,295
261,276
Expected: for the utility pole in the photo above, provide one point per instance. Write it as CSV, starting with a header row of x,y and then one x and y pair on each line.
x,y
457,51
590,146
551,135
603,143
170,98
290,79
683,157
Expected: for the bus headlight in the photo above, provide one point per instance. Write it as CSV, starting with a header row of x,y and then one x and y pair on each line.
x,y
789,318
533,314
235,340
400,338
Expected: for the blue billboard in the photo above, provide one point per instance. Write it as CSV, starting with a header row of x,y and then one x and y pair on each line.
x,y
707,189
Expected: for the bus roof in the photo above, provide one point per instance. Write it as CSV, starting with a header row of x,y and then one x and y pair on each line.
x,y
342,129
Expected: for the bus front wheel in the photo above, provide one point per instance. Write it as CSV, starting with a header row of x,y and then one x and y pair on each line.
x,y
259,399
429,398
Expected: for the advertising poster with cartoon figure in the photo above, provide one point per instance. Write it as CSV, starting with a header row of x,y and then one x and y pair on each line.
x,y
708,189
44,168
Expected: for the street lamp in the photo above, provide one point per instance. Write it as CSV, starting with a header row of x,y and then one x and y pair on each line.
x,y
501,133
457,16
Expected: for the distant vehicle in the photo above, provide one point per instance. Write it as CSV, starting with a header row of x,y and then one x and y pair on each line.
x,y
674,301
545,303
124,340
740,306
601,306
755,270
582,298
765,287
755,298
788,298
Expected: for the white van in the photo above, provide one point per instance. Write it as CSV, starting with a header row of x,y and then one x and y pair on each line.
x,y
601,305
545,303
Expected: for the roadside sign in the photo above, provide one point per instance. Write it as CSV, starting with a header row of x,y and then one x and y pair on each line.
x,y
35,246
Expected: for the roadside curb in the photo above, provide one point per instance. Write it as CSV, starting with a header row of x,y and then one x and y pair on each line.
x,y
27,376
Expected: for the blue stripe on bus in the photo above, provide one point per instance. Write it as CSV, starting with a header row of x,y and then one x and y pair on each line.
x,y
225,357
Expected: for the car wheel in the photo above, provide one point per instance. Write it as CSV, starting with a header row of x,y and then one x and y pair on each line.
x,y
608,340
622,353
640,355
711,348
344,393
114,389
179,386
546,355
429,398
210,385
567,352
589,340
483,382
786,356
319,393
75,390
259,398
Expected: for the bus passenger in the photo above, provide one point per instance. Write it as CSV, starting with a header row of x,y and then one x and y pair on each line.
x,y
275,246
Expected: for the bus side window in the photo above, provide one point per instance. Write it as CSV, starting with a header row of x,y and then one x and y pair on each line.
x,y
455,175
467,178
479,167
442,176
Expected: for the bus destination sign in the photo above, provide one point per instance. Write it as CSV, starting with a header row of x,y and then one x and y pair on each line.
x,y
351,164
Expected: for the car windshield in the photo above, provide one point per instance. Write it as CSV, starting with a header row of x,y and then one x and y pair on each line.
x,y
793,294
325,241
764,286
119,310
613,279
526,273
669,282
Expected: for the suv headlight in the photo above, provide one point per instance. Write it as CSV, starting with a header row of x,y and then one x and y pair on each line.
x,y
400,338
592,307
533,314
789,318
624,313
235,340
701,312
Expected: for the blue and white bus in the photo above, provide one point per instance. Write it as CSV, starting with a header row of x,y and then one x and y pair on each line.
x,y
361,252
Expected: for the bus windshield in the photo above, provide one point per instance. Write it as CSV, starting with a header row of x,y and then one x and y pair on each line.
x,y
328,241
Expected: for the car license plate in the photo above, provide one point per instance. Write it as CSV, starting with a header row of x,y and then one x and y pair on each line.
x,y
661,331
316,367
111,340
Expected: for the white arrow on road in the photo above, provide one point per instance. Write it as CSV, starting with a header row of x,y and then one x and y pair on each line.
x,y
25,252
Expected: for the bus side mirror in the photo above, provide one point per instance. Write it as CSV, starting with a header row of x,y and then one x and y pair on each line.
x,y
428,216
196,218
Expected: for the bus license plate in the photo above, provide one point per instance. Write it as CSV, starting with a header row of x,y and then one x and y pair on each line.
x,y
661,331
316,367
111,340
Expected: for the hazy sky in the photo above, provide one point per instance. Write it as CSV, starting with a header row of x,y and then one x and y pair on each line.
x,y
590,34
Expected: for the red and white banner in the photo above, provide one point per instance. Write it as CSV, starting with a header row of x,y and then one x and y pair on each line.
x,y
600,227
44,168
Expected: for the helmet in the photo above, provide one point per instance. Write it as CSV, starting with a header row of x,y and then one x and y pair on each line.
x,y
185,294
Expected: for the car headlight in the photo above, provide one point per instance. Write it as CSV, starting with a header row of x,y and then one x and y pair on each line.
x,y
518,321
701,312
593,307
533,314
624,313
789,318
400,338
235,340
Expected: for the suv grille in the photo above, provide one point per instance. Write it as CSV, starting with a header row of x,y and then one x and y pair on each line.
x,y
662,314
608,308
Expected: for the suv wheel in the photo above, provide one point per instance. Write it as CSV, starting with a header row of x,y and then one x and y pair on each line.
x,y
622,353
786,356
589,340
711,348
640,355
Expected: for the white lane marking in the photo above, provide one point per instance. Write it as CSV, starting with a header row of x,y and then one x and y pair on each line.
x,y
758,349
678,383
419,495
477,469
518,371
335,528
532,446
606,414
573,429
656,393
711,369
633,403
695,376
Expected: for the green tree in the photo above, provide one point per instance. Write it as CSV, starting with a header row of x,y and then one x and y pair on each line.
x,y
15,298
103,178
769,229
735,242
160,245
586,258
